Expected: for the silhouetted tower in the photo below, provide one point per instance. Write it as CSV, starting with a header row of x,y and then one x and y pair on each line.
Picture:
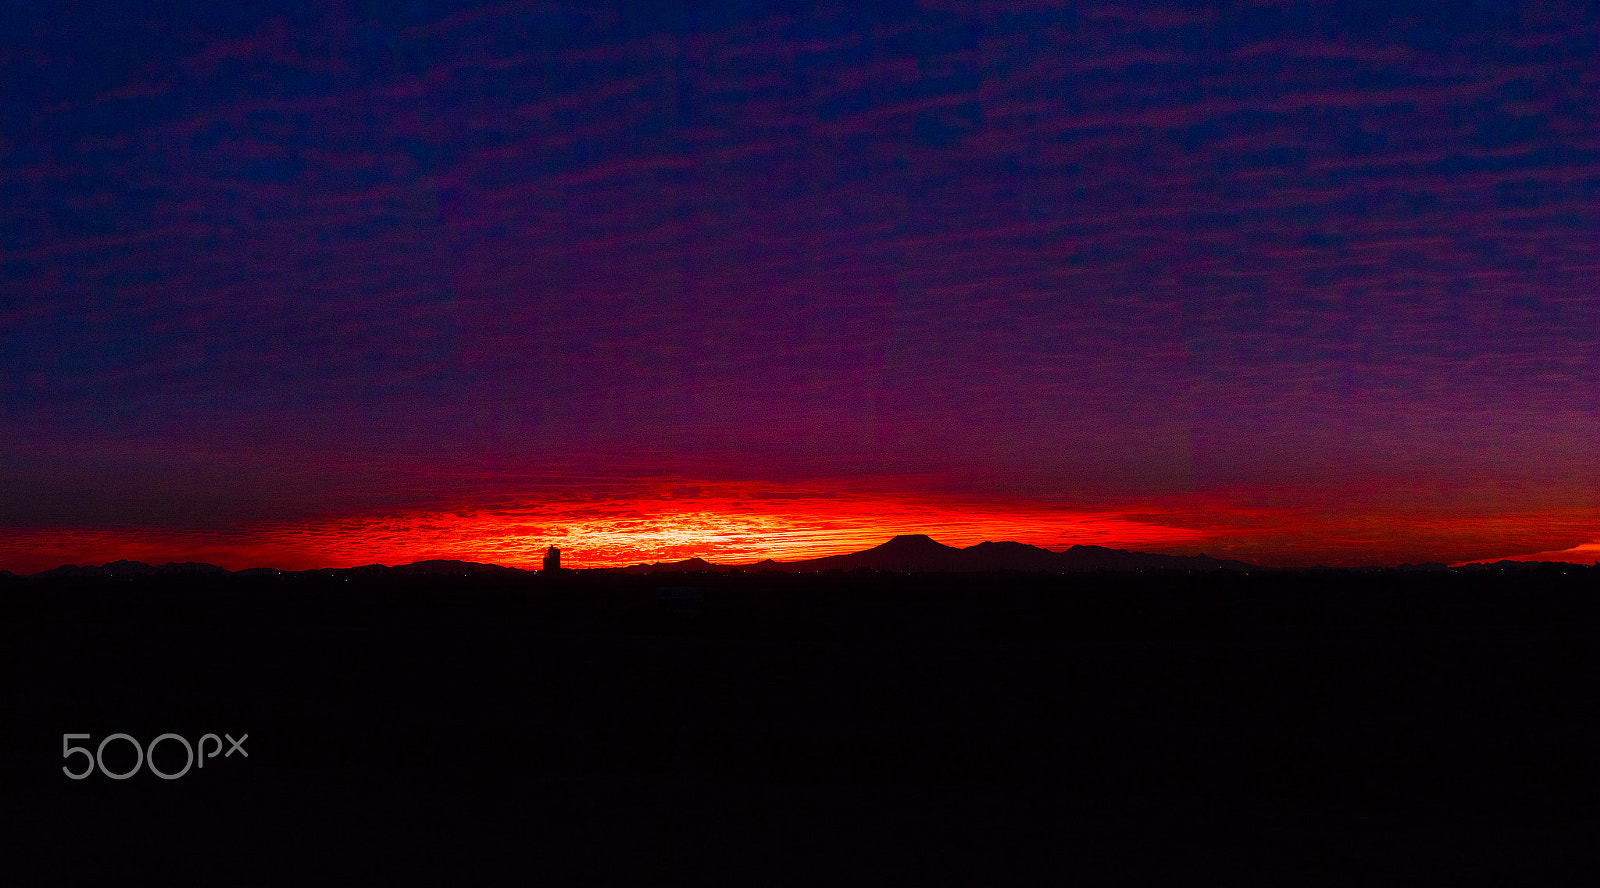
x,y
552,560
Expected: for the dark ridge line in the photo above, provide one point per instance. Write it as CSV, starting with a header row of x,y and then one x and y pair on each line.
x,y
906,553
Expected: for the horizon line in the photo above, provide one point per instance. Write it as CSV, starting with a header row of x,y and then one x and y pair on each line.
x,y
534,566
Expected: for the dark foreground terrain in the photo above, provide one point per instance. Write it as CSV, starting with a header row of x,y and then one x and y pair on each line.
x,y
875,729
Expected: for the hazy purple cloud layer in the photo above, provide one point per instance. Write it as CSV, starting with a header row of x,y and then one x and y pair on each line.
x,y
261,262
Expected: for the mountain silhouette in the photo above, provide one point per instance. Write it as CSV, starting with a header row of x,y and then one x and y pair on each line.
x,y
1009,555
132,569
191,567
114,569
687,565
907,553
920,553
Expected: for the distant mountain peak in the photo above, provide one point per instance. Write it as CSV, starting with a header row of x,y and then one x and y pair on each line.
x,y
191,567
918,552
122,568
904,553
916,541
1005,545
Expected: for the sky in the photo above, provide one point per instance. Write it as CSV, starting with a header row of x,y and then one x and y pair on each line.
x,y
336,283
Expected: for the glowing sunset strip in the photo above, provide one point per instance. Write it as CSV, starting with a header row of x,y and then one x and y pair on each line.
x,y
729,525
608,535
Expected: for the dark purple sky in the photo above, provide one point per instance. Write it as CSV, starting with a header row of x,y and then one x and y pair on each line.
x,y
1299,283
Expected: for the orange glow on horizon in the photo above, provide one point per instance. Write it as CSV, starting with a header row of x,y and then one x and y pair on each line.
x,y
594,535
731,524
1586,554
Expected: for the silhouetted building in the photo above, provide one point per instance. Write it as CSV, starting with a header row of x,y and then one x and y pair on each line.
x,y
552,560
